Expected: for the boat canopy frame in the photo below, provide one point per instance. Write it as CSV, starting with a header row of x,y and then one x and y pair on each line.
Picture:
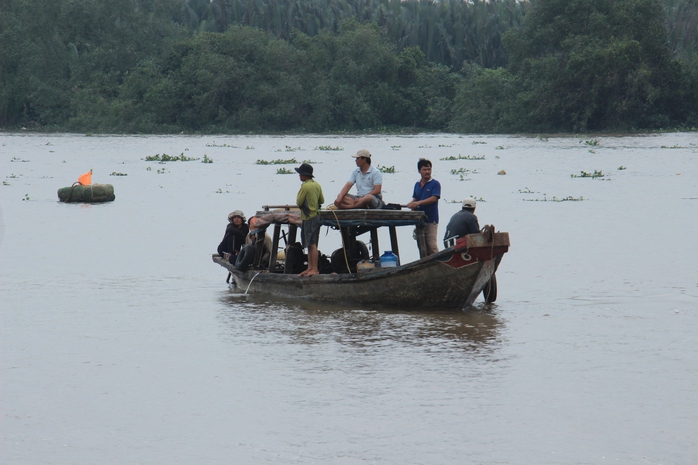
x,y
351,224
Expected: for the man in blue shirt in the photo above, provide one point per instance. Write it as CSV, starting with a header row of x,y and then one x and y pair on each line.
x,y
369,183
425,197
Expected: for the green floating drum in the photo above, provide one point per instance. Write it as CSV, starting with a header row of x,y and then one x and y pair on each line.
x,y
91,193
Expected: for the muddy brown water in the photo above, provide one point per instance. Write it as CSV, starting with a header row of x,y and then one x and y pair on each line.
x,y
122,344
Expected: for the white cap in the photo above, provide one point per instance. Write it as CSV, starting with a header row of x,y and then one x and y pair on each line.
x,y
363,153
469,203
235,213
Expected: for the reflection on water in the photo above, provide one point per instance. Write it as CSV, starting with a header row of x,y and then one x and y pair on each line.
x,y
306,322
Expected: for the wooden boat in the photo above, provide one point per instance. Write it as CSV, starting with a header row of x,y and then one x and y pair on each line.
x,y
449,279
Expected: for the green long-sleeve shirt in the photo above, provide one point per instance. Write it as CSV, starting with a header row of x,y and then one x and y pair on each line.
x,y
310,199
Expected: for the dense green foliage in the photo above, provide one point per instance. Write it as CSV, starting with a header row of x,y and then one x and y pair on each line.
x,y
581,65
335,65
449,32
245,80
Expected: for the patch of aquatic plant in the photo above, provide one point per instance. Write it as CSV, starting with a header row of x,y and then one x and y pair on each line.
x,y
386,169
207,159
284,171
463,157
584,174
26,197
329,148
114,173
621,168
278,161
478,142
569,198
221,191
15,159
12,176
221,145
165,157
478,199
444,146
592,151
542,139
5,183
291,149
396,147
526,190
249,147
673,147
591,142
149,169
310,162
463,171
500,147
162,171
425,146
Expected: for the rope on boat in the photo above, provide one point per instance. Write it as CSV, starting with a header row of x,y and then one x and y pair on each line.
x,y
344,247
250,283
488,230
70,194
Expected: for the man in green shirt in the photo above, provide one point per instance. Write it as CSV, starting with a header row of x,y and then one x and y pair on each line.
x,y
310,200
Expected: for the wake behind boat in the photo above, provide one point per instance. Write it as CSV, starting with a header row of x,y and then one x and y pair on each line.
x,y
449,279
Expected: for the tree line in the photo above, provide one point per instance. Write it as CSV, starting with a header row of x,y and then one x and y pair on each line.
x,y
230,66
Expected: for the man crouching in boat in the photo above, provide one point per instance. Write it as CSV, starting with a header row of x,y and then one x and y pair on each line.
x,y
310,200
462,223
234,237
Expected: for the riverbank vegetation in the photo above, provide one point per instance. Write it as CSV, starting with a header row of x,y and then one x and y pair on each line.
x,y
234,66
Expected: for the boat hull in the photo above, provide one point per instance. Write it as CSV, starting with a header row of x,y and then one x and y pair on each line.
x,y
450,279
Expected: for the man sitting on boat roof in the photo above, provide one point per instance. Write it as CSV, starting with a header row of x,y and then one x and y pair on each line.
x,y
369,183
462,223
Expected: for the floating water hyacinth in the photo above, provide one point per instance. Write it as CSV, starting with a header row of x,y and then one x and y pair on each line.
x,y
569,198
165,157
584,174
278,161
221,145
463,157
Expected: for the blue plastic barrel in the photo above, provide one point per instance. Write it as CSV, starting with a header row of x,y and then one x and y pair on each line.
x,y
388,259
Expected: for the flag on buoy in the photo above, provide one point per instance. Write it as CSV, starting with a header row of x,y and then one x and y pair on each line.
x,y
86,179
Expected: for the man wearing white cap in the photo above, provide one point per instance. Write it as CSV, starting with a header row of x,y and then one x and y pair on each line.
x,y
462,223
369,182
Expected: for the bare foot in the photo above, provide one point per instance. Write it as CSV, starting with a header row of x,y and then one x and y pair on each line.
x,y
303,273
311,272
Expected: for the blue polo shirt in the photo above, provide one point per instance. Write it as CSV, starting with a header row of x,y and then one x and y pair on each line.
x,y
422,193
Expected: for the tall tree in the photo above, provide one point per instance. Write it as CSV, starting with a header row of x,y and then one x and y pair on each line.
x,y
592,64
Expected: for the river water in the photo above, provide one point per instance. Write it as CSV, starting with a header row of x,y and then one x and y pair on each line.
x,y
123,344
